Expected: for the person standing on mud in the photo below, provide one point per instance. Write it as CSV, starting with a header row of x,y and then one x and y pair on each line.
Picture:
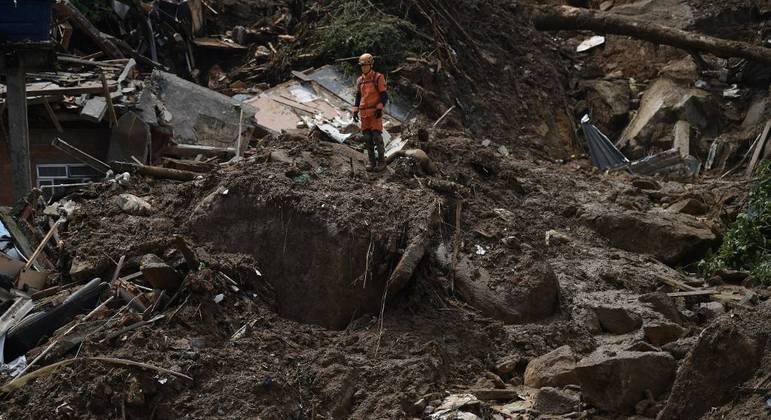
x,y
371,99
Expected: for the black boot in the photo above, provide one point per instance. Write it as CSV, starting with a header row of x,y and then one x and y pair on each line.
x,y
378,140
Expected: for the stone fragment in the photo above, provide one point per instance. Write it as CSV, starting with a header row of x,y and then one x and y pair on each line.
x,y
159,274
587,318
660,333
507,365
550,400
709,310
662,304
616,380
680,348
689,206
646,184
134,205
556,368
617,320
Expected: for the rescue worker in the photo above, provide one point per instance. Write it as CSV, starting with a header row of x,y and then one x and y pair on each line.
x,y
371,99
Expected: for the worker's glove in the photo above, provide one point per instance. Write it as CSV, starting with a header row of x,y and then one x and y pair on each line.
x,y
378,113
356,116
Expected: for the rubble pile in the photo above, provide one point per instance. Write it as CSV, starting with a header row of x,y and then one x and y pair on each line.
x,y
540,244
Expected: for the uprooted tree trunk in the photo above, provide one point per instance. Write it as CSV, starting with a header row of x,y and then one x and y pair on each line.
x,y
571,18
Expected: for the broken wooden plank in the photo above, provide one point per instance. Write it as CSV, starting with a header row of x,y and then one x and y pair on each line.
x,y
110,107
94,109
216,43
80,155
677,284
72,60
188,165
126,71
53,89
758,149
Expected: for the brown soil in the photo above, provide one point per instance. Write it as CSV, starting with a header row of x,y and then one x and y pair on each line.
x,y
304,332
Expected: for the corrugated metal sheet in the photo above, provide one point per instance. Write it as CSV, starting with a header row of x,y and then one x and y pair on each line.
x,y
604,154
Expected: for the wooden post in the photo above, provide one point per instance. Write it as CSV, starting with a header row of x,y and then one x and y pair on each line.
x,y
18,130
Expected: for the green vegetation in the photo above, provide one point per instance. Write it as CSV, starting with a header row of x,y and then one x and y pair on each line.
x,y
358,27
747,245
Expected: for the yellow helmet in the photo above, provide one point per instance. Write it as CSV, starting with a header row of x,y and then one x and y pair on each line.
x,y
366,58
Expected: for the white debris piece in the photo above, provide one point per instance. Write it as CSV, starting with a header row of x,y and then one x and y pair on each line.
x,y
590,43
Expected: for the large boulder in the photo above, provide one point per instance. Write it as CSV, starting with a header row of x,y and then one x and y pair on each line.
x,y
556,368
617,380
672,238
725,355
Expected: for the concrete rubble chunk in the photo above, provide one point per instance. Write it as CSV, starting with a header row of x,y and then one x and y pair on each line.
x,y
134,205
662,304
159,274
617,320
609,101
556,368
708,310
660,333
682,134
617,380
550,400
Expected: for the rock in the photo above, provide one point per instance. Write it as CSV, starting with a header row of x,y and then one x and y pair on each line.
x,y
660,333
529,294
550,400
82,269
587,318
680,348
682,138
672,238
663,103
732,276
134,205
609,102
725,355
554,237
646,184
616,381
688,206
662,304
556,368
507,365
159,274
617,320
684,70
709,310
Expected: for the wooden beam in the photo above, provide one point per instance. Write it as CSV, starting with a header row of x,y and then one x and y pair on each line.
x,y
68,11
571,18
18,131
87,87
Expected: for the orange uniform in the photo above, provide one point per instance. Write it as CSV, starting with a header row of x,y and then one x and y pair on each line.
x,y
371,90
